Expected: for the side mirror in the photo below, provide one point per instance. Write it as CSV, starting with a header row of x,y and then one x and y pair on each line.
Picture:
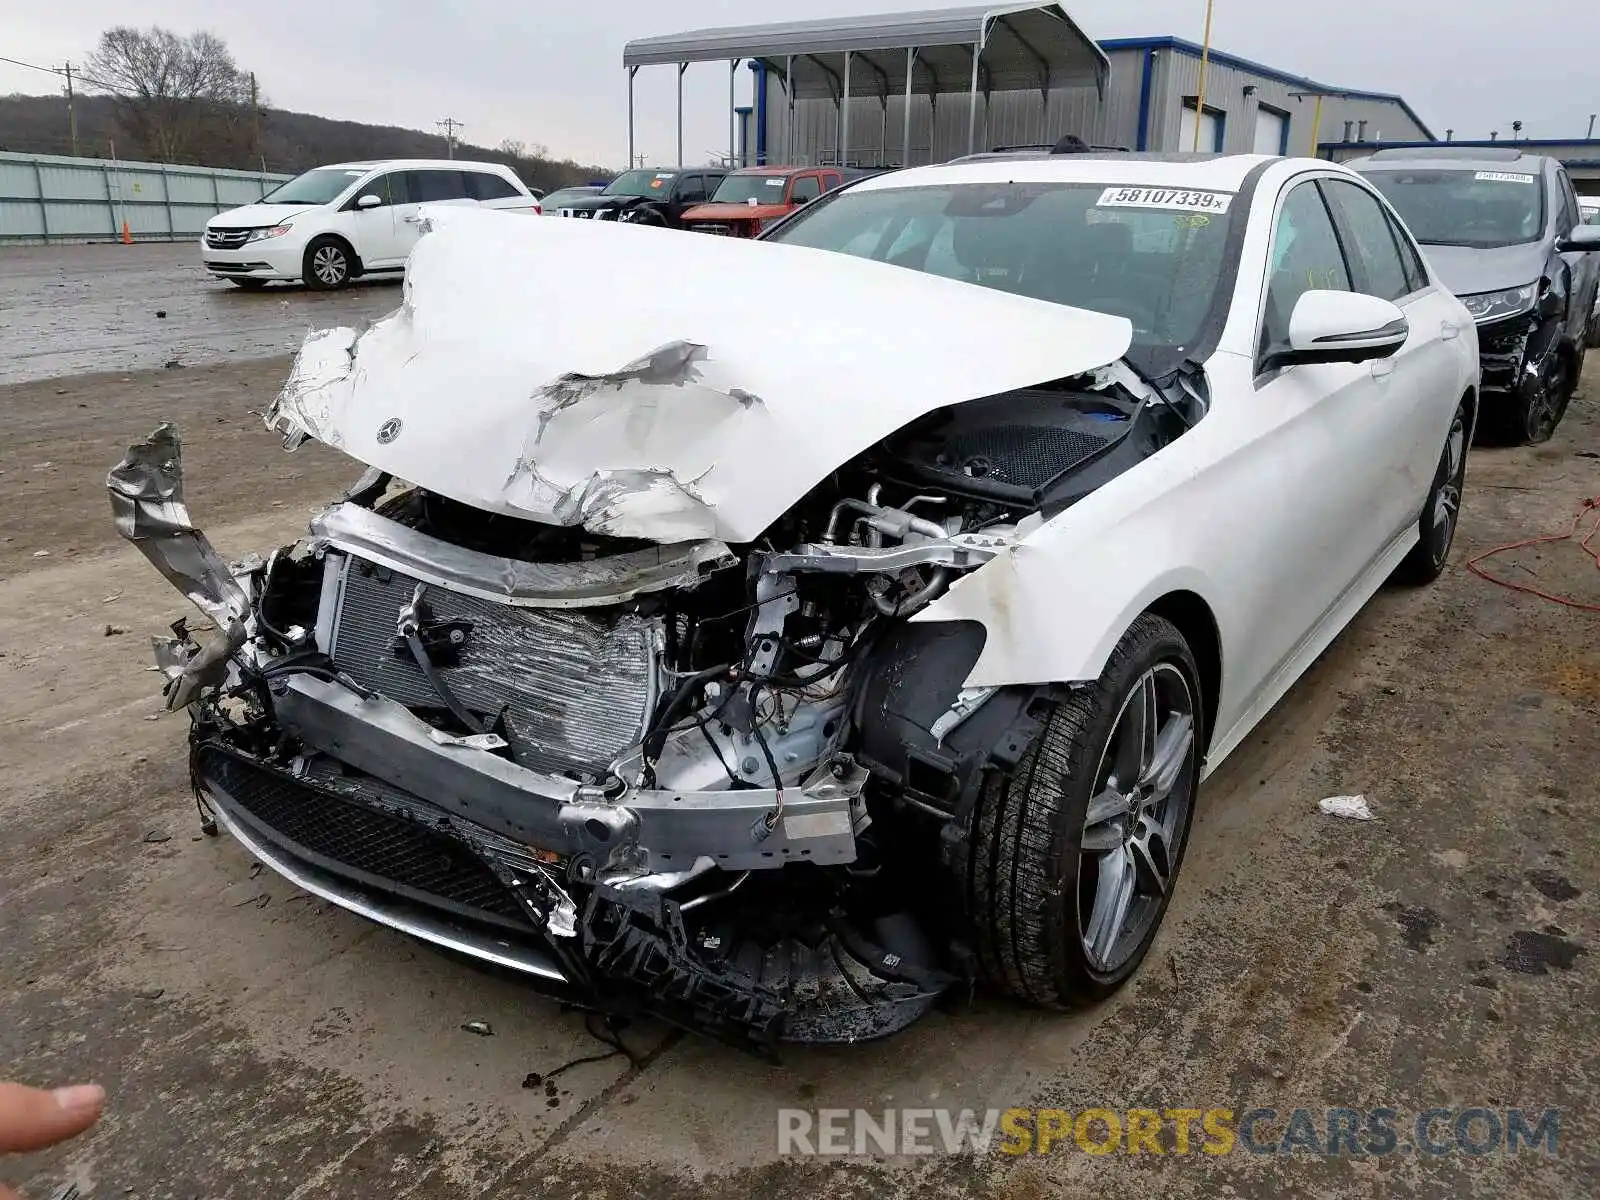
x,y
369,201
1329,327
1583,238
799,200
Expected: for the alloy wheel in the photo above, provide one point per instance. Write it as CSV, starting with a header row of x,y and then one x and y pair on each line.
x,y
1545,402
1447,500
1135,820
330,265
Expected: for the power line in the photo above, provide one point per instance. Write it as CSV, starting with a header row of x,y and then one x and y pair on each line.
x,y
59,72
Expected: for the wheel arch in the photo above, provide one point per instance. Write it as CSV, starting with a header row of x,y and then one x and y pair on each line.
x,y
1470,399
1192,617
356,267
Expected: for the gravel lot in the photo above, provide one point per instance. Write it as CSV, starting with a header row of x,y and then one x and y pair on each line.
x,y
257,1043
66,310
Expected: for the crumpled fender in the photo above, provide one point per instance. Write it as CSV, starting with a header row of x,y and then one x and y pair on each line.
x,y
146,490
1056,603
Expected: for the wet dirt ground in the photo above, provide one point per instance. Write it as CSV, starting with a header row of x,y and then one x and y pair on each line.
x,y
258,1043
65,310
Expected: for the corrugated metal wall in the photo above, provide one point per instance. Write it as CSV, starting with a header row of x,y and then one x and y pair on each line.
x,y
45,198
1177,75
1019,118
1007,119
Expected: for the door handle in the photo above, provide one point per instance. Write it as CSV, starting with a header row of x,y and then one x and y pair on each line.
x,y
1450,330
412,218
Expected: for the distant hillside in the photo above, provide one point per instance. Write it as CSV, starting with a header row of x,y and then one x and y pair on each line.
x,y
290,142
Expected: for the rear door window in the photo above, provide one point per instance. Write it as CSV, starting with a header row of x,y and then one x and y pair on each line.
x,y
432,187
487,185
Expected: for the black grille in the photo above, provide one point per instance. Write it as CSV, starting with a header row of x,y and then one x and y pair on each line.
x,y
369,846
227,239
1028,456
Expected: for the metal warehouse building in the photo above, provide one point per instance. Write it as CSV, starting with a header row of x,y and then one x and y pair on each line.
x,y
924,87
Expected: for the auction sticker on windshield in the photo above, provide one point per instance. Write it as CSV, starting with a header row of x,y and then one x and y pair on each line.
x,y
1504,177
1180,199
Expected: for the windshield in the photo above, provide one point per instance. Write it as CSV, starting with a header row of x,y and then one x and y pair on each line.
x,y
1153,255
641,183
741,189
1591,216
321,186
1466,208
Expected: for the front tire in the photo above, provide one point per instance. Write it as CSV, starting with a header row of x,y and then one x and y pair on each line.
x,y
1441,511
329,265
1075,854
1539,404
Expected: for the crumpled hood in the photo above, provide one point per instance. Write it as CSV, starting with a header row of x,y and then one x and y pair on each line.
x,y
684,387
598,201
1467,270
255,216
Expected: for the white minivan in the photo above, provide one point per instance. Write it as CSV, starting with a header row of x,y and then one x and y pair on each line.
x,y
334,223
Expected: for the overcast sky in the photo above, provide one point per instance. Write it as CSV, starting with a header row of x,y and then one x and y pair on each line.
x,y
551,73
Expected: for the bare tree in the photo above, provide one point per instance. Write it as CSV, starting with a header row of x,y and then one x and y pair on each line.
x,y
523,151
181,97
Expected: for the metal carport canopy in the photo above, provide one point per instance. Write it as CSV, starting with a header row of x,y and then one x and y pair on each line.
x,y
977,48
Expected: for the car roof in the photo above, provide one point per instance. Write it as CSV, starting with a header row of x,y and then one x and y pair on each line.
x,y
418,163
1222,172
1464,158
769,170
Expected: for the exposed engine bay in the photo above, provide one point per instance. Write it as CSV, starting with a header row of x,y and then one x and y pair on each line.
x,y
721,783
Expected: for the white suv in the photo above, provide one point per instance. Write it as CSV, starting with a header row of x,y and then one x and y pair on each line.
x,y
334,223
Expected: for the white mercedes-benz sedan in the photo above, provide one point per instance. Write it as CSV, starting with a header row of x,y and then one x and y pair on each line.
x,y
820,621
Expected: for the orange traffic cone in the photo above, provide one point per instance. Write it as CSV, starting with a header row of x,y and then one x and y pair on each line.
x,y
127,234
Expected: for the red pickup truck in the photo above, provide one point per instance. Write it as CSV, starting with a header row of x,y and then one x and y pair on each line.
x,y
748,200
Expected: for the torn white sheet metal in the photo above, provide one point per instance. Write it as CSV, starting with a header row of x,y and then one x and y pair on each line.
x,y
683,387
146,490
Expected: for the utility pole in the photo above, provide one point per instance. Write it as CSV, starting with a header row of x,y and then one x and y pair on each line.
x,y
255,122
450,125
72,112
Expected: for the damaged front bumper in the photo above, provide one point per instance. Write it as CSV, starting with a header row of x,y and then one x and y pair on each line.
x,y
535,845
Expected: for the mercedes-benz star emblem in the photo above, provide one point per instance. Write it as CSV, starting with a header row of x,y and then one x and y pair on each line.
x,y
388,431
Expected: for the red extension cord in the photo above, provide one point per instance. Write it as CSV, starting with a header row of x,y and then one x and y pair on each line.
x,y
1591,505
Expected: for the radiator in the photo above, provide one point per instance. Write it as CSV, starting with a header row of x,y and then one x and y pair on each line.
x,y
577,687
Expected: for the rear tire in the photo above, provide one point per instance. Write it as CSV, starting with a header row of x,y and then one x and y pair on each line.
x,y
329,264
1071,868
1441,511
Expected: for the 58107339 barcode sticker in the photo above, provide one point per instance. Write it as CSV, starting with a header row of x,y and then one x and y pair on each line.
x,y
1177,199
1504,176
